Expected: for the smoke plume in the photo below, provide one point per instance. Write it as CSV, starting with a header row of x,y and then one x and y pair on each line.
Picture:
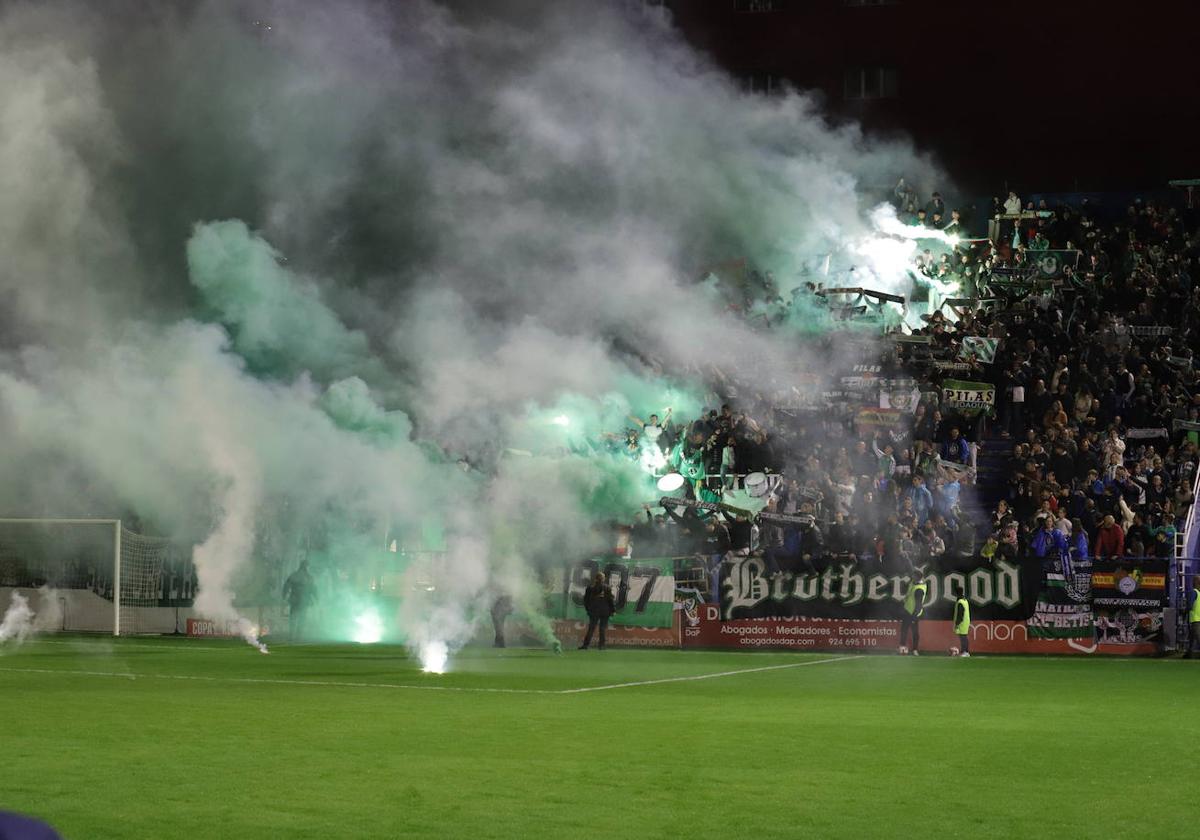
x,y
21,622
295,279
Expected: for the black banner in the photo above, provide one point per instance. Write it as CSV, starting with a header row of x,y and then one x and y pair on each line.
x,y
1127,600
850,590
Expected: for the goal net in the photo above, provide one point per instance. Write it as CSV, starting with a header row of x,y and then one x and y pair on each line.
x,y
105,578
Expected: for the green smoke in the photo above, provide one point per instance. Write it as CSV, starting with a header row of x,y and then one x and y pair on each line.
x,y
277,319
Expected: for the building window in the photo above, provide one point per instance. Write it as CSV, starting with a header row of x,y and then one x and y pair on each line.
x,y
871,83
756,6
657,8
767,83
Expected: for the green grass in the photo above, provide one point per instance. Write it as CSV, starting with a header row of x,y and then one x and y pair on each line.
x,y
282,745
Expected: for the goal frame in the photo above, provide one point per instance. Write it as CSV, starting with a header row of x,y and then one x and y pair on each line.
x,y
115,524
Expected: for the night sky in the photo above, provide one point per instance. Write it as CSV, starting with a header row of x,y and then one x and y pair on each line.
x,y
1036,96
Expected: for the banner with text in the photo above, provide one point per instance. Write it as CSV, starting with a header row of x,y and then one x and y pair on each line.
x,y
643,589
704,628
848,590
968,397
1064,605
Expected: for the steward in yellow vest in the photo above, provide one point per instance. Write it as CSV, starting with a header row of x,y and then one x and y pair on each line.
x,y
914,608
962,621
1193,615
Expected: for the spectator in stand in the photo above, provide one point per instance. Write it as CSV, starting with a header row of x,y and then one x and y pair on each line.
x,y
955,227
1113,446
1110,539
955,449
1055,417
728,464
652,430
1048,543
921,499
991,547
1078,542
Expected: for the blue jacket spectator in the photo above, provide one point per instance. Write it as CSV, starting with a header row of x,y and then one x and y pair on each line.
x,y
922,499
955,449
1079,542
1049,542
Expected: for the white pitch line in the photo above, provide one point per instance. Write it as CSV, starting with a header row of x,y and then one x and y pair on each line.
x,y
708,676
109,646
264,681
400,686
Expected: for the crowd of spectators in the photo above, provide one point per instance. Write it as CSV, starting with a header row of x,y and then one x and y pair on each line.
x,y
1097,411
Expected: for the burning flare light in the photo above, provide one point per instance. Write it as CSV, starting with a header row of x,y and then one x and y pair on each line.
x,y
433,657
368,628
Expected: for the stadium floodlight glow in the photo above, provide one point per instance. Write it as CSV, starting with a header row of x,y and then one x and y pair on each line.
x,y
368,628
561,420
670,482
433,657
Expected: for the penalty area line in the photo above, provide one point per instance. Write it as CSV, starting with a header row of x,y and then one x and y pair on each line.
x,y
695,677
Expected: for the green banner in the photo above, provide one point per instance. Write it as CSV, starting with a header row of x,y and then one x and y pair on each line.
x,y
968,397
644,590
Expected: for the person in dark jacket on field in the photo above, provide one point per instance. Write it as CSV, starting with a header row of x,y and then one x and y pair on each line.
x,y
300,593
599,603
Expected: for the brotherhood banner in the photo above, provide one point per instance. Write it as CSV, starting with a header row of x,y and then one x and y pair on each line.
x,y
968,397
849,590
644,591
980,348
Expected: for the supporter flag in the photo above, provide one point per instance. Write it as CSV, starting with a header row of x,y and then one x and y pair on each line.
x,y
1128,598
900,398
870,419
1049,265
968,397
979,347
1062,610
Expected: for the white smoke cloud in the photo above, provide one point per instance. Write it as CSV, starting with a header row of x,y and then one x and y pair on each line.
x,y
281,280
22,622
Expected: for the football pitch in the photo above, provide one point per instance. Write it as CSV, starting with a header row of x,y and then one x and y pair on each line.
x,y
149,738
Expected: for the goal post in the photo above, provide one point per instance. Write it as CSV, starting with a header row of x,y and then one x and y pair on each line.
x,y
116,577
107,578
